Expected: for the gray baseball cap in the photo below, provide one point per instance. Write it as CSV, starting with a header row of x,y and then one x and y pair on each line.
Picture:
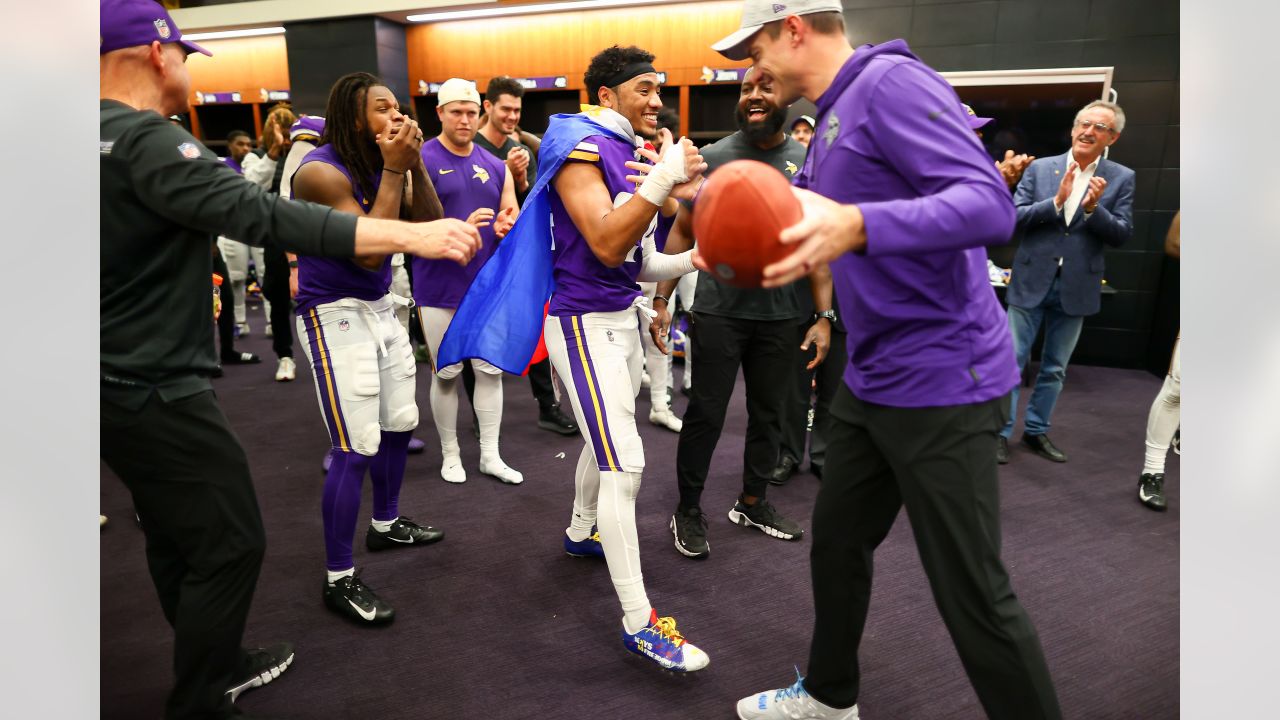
x,y
755,13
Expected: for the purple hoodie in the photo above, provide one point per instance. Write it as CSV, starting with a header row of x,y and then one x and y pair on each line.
x,y
925,328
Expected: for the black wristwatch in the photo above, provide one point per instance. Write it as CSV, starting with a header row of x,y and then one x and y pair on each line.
x,y
830,315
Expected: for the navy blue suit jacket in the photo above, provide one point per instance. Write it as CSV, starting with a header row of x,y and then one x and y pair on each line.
x,y
1045,236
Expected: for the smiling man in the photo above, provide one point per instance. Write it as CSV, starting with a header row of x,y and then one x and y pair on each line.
x,y
754,329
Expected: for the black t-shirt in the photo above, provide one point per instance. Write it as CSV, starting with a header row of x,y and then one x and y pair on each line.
x,y
502,153
717,298
164,197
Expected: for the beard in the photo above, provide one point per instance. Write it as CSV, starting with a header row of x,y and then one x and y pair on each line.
x,y
766,129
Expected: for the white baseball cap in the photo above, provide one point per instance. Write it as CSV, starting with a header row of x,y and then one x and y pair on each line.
x,y
756,13
457,90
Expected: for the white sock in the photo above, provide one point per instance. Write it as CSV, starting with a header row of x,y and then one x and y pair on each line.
x,y
444,410
488,404
586,488
383,525
617,520
1165,415
336,576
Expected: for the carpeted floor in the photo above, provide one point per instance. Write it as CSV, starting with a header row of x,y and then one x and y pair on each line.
x,y
496,622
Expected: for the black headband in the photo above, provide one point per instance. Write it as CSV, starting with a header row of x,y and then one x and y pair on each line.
x,y
629,71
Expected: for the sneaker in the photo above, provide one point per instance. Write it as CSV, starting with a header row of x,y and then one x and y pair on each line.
x,y
286,370
404,531
352,599
554,419
1151,491
416,446
765,516
242,330
663,644
689,526
261,666
240,358
667,419
589,548
792,703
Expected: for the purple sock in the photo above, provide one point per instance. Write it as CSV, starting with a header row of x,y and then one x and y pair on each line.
x,y
341,506
387,472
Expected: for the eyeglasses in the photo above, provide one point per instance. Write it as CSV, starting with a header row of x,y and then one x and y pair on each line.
x,y
1085,125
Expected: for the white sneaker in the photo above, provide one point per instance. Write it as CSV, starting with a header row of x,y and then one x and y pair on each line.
x,y
286,370
667,419
244,329
268,332
451,469
791,703
500,470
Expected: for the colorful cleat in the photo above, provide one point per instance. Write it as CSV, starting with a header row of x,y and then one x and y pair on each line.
x,y
663,644
589,548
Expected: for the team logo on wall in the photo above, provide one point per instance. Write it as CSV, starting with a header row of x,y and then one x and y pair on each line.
x,y
189,151
344,325
481,174
162,27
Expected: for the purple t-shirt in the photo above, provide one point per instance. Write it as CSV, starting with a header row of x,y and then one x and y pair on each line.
x,y
925,328
327,279
463,184
233,164
583,283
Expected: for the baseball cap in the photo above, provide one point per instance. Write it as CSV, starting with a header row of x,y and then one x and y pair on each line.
x,y
975,122
457,90
755,13
307,125
130,23
812,123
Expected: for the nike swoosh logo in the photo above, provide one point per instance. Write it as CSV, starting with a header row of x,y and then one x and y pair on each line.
x,y
410,540
366,614
445,172
1142,494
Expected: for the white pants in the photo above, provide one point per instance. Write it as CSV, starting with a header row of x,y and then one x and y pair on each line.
x,y
686,290
598,358
1165,415
656,362
364,371
236,254
444,390
399,286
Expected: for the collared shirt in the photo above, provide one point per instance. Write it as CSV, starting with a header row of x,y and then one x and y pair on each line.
x,y
1078,188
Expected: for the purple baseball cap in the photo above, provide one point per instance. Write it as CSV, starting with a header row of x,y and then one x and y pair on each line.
x,y
975,122
130,23
307,125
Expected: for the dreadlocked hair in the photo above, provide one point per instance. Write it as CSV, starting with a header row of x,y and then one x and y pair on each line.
x,y
344,128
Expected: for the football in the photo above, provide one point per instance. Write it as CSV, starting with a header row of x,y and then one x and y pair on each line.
x,y
737,217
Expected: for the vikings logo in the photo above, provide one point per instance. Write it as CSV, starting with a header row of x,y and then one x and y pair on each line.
x,y
481,174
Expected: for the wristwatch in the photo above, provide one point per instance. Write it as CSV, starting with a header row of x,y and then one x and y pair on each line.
x,y
828,314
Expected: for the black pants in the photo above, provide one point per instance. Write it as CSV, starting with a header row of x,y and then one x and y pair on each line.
x,y
190,484
937,462
764,350
828,377
275,289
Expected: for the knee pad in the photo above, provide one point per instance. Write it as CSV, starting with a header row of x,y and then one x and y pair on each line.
x,y
484,367
449,373
631,455
402,416
366,437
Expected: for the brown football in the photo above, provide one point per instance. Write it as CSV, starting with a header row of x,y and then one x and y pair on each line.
x,y
737,218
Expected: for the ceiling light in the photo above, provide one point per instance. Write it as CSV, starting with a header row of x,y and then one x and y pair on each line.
x,y
225,34
527,9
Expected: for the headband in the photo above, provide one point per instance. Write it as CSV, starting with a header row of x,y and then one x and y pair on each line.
x,y
629,71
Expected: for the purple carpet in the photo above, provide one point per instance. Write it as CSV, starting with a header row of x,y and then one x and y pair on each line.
x,y
497,622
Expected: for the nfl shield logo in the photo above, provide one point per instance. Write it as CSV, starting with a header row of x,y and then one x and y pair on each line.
x,y
162,27
189,151
343,325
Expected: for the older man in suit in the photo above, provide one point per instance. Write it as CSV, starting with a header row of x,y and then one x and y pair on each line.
x,y
1069,208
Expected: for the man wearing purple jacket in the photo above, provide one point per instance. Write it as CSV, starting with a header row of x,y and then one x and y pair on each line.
x,y
902,202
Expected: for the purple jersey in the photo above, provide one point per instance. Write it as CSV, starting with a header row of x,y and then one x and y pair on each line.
x,y
663,230
583,283
231,163
326,279
463,184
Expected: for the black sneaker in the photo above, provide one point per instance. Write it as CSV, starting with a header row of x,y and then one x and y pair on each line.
x,y
554,419
351,598
260,666
689,526
1151,491
764,516
404,531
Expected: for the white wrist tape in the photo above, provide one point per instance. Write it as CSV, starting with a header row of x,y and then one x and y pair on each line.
x,y
668,173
